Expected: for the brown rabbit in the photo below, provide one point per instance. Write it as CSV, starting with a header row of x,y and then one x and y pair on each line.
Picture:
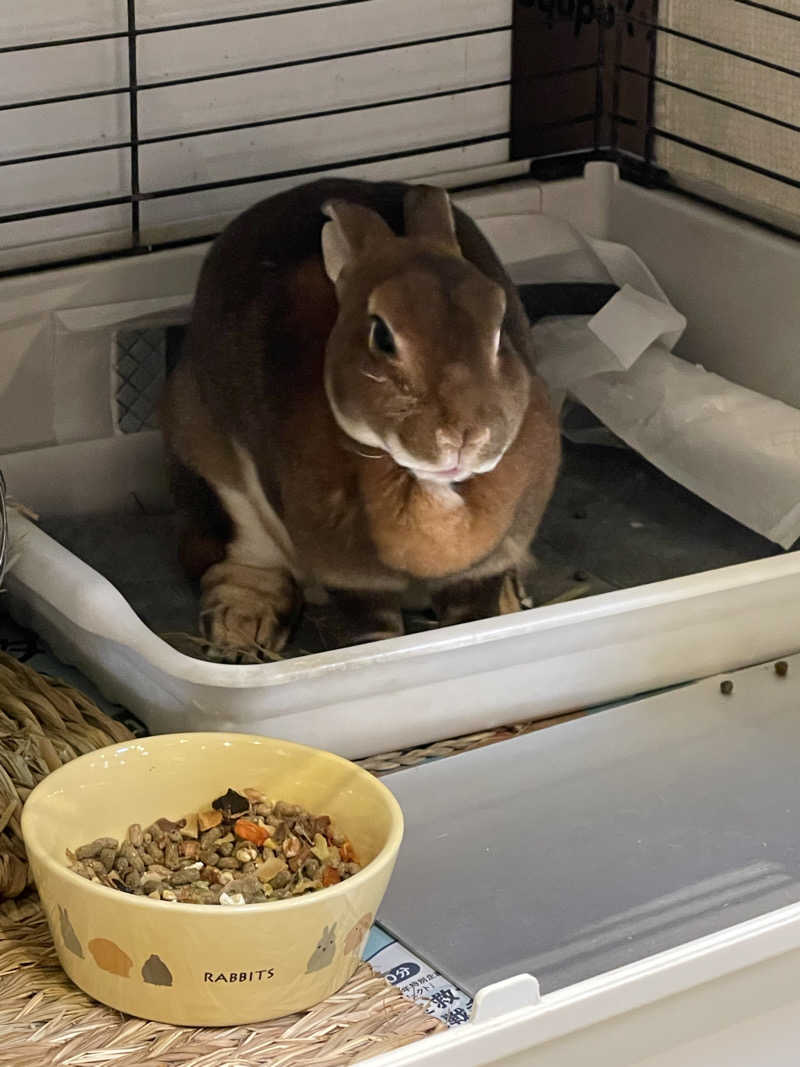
x,y
355,409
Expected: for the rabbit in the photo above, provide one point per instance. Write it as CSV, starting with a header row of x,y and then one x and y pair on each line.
x,y
355,410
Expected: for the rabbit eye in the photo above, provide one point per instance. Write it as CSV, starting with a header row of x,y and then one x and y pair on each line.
x,y
380,337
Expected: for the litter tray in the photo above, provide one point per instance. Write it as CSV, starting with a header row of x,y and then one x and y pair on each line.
x,y
679,590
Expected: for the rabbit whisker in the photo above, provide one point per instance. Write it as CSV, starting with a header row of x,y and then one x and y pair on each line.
x,y
351,446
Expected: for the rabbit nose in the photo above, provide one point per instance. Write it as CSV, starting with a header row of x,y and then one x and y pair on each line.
x,y
476,438
461,441
470,438
449,439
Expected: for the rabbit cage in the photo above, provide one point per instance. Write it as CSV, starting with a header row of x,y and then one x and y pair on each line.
x,y
649,146
594,142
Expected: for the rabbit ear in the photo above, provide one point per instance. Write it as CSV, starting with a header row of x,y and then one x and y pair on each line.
x,y
429,214
351,229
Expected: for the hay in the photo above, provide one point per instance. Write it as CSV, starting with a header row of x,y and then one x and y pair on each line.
x,y
413,757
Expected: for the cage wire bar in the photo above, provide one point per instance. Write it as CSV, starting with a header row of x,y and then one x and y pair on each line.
x,y
591,69
584,78
134,87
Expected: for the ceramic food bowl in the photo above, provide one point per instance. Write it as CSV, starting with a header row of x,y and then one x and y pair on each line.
x,y
191,964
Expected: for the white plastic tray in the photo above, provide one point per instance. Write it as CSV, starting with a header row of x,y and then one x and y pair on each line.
x,y
412,689
417,688
731,999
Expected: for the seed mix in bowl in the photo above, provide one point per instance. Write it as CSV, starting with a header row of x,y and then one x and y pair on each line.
x,y
242,850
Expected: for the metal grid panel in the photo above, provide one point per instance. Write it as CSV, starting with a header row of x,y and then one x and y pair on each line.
x,y
127,125
702,97
727,118
159,119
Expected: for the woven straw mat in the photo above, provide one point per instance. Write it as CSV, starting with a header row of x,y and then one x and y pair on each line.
x,y
43,723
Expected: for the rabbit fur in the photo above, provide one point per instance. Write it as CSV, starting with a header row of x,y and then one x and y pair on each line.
x,y
355,409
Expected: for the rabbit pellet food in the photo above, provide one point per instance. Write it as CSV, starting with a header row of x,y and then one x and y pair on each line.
x,y
243,849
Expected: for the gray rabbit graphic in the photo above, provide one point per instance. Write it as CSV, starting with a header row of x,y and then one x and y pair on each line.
x,y
68,935
323,954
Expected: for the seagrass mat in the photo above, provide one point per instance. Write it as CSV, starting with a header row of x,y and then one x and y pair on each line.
x,y
43,724
45,1020
412,757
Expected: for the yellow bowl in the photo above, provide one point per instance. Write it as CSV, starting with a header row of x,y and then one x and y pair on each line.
x,y
191,964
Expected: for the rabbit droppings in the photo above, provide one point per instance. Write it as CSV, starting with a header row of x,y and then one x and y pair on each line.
x,y
355,409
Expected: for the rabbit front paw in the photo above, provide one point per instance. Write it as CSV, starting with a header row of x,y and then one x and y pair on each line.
x,y
247,613
356,618
484,598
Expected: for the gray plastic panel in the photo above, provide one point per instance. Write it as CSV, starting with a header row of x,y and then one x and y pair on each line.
x,y
139,366
583,847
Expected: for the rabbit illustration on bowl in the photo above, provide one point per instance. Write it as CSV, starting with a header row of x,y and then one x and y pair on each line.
x,y
324,952
355,410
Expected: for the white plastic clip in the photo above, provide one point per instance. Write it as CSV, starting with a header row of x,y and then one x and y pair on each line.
x,y
500,998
